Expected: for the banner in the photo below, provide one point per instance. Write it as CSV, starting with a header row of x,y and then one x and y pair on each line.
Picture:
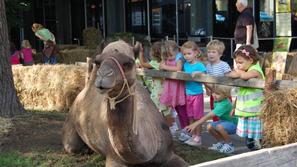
x,y
280,51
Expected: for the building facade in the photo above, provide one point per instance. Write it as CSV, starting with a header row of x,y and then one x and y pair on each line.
x,y
180,20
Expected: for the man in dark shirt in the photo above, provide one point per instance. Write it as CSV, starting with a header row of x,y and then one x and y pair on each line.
x,y
243,33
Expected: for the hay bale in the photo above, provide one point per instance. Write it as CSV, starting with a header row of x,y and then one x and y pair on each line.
x,y
48,87
279,117
80,54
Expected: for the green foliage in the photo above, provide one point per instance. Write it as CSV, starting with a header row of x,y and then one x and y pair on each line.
x,y
49,158
15,160
14,9
91,37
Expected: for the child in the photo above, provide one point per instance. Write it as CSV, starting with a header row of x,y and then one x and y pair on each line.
x,y
194,90
173,94
215,66
226,126
249,100
26,53
14,55
156,85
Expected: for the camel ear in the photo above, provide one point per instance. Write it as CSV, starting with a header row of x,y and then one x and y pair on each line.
x,y
136,48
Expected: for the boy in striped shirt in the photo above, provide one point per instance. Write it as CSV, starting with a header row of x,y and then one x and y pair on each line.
x,y
215,66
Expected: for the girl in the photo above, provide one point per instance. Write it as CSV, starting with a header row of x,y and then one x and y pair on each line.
x,y
173,94
49,41
26,53
14,55
194,90
156,85
249,100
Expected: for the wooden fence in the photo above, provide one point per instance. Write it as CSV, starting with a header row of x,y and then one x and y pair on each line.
x,y
252,83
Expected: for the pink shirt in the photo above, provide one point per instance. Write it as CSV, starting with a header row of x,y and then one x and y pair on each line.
x,y
14,58
27,52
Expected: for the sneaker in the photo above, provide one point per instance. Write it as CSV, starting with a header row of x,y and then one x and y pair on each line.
x,y
184,135
173,132
194,141
257,144
253,144
227,149
216,147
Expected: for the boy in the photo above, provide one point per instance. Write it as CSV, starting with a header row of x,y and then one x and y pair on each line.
x,y
226,126
215,66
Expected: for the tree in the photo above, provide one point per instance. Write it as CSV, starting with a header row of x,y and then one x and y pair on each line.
x,y
9,102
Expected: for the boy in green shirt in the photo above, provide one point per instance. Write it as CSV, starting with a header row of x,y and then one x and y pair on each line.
x,y
226,126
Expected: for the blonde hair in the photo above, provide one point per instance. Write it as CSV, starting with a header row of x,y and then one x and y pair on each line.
x,y
190,45
223,90
216,45
26,44
37,26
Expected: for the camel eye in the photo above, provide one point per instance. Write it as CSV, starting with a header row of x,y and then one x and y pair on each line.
x,y
128,66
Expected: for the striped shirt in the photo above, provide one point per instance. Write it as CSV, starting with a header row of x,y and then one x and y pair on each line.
x,y
218,69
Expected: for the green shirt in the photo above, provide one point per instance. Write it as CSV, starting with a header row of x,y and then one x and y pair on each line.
x,y
222,109
45,33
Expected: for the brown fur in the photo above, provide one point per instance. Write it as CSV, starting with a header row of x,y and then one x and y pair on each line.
x,y
132,134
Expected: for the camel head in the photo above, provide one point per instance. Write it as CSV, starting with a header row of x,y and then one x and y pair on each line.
x,y
113,68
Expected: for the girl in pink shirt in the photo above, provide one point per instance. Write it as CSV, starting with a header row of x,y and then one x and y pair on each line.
x,y
27,53
14,55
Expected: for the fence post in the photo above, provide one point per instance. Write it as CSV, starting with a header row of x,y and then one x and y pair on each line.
x,y
270,80
231,51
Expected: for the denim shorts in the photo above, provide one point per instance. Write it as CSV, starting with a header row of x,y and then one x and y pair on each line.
x,y
229,127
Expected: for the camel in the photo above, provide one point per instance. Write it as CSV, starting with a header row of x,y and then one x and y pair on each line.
x,y
114,116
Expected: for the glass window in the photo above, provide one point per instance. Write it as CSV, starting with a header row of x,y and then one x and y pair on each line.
x,y
265,27
294,17
294,24
221,20
50,15
137,16
163,17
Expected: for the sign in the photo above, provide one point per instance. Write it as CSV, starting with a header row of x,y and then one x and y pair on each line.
x,y
283,6
280,51
279,63
282,44
283,24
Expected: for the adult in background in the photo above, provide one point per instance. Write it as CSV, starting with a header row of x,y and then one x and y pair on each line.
x,y
49,41
243,33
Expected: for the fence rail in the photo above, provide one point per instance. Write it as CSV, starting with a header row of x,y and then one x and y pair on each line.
x,y
252,83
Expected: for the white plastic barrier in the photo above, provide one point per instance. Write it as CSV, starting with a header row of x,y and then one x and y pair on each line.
x,y
283,156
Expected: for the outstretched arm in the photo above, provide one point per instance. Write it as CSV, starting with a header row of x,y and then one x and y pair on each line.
x,y
250,74
191,128
178,67
142,60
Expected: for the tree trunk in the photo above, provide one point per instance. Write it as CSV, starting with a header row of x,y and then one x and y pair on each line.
x,y
9,102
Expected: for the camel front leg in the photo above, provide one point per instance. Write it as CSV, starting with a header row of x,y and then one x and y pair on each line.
x,y
112,161
175,161
71,140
